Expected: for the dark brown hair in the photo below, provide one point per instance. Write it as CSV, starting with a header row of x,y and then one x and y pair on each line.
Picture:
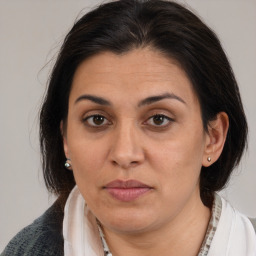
x,y
168,27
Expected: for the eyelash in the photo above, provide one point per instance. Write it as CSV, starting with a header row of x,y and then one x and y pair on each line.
x,y
165,119
91,117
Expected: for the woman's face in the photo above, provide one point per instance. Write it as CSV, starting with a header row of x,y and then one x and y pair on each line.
x,y
135,138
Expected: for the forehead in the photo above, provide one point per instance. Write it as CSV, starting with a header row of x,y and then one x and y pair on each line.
x,y
137,73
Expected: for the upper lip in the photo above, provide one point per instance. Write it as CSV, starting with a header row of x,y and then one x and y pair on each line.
x,y
126,184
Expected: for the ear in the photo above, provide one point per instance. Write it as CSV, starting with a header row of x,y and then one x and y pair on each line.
x,y
64,137
216,137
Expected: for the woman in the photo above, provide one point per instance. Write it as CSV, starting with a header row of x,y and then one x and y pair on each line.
x,y
141,125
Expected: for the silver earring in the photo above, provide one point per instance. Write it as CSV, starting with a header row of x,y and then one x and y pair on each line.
x,y
68,164
209,159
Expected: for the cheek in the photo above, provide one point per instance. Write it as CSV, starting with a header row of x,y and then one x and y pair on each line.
x,y
178,162
88,159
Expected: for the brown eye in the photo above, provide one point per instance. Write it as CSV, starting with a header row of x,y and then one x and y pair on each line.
x,y
159,120
96,120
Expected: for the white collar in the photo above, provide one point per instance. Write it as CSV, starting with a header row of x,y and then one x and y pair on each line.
x,y
80,229
234,236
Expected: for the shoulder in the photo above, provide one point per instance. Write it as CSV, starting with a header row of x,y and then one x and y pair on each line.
x,y
42,237
239,217
238,228
234,234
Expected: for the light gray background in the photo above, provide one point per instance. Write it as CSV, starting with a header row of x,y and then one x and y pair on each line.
x,y
31,32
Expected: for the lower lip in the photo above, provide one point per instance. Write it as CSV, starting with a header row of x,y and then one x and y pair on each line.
x,y
127,194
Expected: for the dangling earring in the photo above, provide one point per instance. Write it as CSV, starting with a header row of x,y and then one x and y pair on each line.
x,y
209,159
68,164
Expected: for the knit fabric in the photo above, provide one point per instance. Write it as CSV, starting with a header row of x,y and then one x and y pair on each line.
x,y
43,237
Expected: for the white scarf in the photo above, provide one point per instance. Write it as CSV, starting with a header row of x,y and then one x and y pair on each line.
x,y
80,229
234,236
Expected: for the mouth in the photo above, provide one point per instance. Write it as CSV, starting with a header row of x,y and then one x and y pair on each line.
x,y
127,191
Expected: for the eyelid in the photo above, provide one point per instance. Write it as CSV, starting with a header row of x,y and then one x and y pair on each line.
x,y
93,116
168,118
89,115
162,112
95,112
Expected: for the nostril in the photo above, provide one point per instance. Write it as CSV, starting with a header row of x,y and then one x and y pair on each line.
x,y
125,165
114,162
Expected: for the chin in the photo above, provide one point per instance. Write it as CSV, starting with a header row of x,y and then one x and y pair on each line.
x,y
128,221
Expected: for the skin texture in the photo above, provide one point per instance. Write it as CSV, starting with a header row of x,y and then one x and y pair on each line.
x,y
127,142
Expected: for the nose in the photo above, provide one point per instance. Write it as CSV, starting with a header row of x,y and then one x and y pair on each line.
x,y
126,150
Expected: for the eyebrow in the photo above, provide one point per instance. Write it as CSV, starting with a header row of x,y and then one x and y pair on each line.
x,y
156,98
95,99
146,101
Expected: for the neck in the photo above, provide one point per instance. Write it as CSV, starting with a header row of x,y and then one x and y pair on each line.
x,y
182,236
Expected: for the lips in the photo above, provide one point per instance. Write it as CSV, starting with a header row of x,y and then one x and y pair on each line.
x,y
127,190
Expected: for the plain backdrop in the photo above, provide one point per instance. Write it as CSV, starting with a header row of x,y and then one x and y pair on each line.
x,y
31,32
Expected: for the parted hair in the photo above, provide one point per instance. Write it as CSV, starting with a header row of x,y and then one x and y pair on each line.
x,y
170,28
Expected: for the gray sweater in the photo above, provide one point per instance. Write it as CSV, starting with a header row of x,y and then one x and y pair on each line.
x,y
43,237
